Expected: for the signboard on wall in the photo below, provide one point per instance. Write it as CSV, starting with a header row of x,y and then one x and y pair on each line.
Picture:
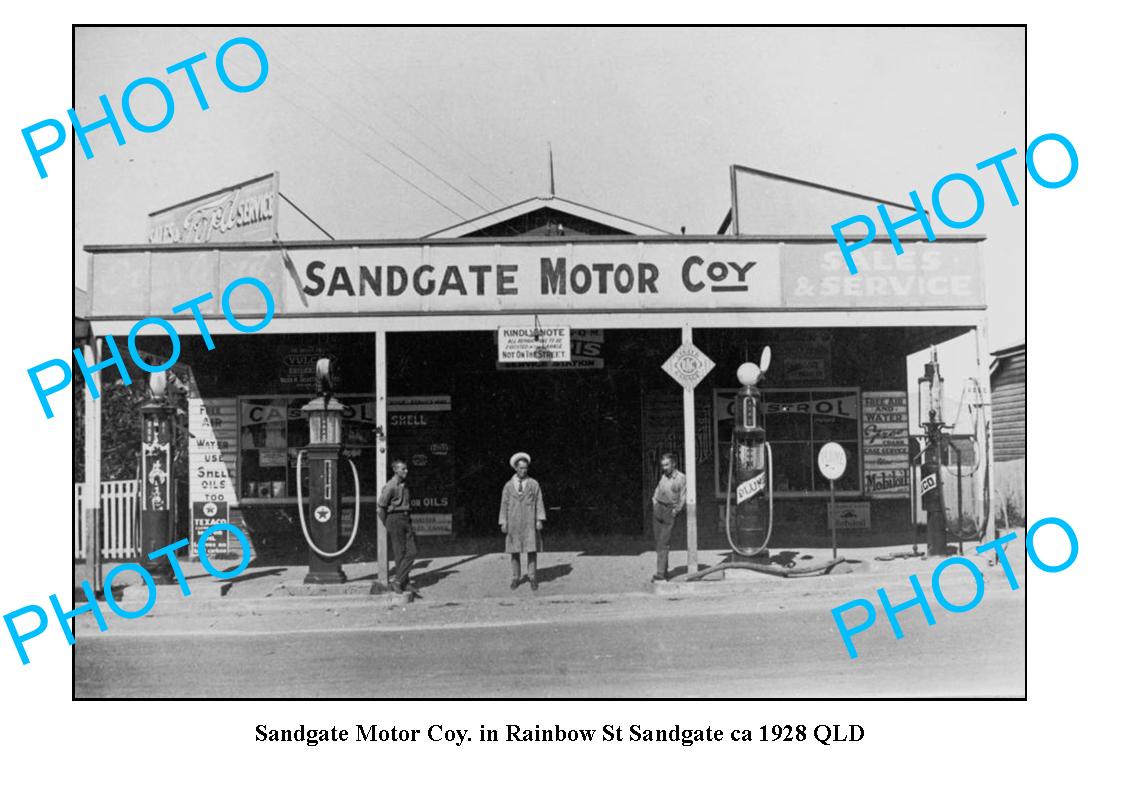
x,y
586,352
851,515
203,516
464,277
589,275
212,457
806,361
298,369
243,212
885,444
533,344
423,435
925,275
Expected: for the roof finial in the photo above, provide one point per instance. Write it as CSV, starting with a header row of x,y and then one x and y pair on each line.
x,y
550,150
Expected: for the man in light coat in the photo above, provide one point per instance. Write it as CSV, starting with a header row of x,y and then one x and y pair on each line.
x,y
521,514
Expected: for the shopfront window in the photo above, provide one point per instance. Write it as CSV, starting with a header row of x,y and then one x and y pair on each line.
x,y
797,424
272,431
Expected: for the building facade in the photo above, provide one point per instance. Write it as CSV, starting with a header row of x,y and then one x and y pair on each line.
x,y
415,326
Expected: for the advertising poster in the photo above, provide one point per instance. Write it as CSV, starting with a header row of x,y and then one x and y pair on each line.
x,y
422,434
885,444
212,457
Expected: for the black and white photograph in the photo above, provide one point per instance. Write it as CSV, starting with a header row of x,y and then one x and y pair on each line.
x,y
539,363
572,399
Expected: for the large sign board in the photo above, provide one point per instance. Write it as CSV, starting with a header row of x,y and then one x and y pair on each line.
x,y
885,444
243,212
477,277
212,456
924,275
541,277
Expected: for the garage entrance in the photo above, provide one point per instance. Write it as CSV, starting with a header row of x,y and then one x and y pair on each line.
x,y
581,430
580,423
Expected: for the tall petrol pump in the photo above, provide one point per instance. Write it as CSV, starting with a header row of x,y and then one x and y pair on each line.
x,y
325,452
748,520
157,487
930,406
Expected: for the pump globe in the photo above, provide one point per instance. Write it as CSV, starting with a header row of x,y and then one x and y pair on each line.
x,y
748,374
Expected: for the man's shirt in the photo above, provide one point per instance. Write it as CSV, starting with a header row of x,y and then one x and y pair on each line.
x,y
671,490
394,497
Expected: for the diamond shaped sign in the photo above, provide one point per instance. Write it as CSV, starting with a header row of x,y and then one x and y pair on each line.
x,y
688,366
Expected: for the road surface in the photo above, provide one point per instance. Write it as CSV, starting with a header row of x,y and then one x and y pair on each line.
x,y
660,649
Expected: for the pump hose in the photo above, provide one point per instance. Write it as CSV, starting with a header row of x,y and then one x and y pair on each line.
x,y
304,525
729,503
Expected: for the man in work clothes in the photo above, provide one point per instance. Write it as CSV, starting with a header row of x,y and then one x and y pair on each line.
x,y
668,501
393,510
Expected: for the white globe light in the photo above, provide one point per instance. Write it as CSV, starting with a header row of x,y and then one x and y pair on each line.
x,y
748,374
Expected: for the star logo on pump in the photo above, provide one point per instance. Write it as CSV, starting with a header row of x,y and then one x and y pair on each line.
x,y
322,514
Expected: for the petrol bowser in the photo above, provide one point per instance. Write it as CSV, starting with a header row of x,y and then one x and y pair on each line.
x,y
930,406
748,507
157,487
325,452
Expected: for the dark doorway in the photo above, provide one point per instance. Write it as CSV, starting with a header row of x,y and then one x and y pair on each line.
x,y
582,431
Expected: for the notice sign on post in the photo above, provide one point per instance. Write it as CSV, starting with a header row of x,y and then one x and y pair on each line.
x,y
534,344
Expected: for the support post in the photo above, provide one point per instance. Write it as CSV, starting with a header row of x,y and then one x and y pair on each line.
x,y
982,363
92,489
690,456
834,528
380,456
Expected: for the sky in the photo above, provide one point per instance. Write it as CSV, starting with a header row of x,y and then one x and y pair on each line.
x,y
397,132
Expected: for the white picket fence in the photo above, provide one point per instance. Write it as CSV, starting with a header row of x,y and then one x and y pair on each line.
x,y
119,520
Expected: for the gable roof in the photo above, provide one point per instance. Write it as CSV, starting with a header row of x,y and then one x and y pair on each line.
x,y
556,204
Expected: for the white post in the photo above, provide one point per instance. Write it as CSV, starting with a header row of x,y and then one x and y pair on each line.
x,y
982,361
92,489
380,456
690,463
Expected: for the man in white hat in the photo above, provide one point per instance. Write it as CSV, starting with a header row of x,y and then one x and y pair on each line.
x,y
521,514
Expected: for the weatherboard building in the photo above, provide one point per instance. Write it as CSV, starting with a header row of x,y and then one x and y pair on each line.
x,y
544,327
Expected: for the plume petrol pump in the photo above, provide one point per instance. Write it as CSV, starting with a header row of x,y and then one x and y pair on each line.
x,y
748,506
325,454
